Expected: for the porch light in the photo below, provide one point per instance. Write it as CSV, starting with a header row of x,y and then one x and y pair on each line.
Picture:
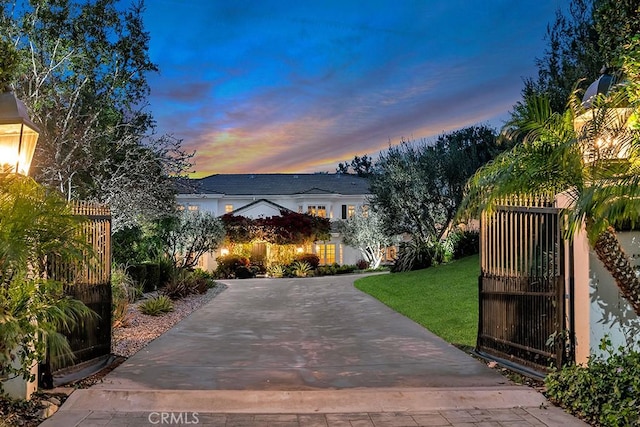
x,y
606,124
299,250
18,135
224,251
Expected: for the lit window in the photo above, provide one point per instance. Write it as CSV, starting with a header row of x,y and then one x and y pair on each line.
x,y
326,253
390,254
319,210
351,211
365,211
228,208
193,208
180,208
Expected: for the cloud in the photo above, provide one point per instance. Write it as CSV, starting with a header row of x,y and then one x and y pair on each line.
x,y
269,87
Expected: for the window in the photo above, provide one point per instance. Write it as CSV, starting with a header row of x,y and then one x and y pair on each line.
x,y
390,254
228,208
300,210
365,211
326,253
351,211
319,210
193,208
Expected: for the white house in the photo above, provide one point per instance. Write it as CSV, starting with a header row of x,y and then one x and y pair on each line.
x,y
333,196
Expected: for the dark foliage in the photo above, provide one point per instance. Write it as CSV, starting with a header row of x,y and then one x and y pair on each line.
x,y
416,255
606,392
362,264
465,243
244,272
288,228
312,259
228,264
361,166
187,282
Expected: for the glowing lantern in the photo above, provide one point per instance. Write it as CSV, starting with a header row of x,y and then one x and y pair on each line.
x,y
603,126
18,135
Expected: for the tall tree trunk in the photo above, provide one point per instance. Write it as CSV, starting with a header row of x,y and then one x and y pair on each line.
x,y
616,261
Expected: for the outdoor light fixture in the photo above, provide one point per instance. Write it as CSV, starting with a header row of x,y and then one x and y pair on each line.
x,y
603,126
299,250
18,135
224,251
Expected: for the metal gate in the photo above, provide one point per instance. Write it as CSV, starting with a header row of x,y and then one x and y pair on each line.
x,y
522,284
89,282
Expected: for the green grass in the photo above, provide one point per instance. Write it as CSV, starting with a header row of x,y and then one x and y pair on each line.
x,y
443,299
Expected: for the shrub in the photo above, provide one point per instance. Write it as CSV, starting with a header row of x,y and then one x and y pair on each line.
x,y
35,221
413,255
156,306
152,274
346,269
327,270
244,272
146,274
228,264
312,259
123,291
276,270
301,268
167,270
362,264
465,243
187,282
606,392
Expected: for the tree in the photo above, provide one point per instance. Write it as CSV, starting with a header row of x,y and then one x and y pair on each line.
x,y
416,188
34,223
190,235
605,190
83,75
365,231
288,228
581,42
361,166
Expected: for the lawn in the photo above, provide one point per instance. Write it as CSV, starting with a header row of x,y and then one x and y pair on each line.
x,y
443,299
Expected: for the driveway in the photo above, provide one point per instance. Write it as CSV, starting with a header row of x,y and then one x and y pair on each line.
x,y
297,334
303,352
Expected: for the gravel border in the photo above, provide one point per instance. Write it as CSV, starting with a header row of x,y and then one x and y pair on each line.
x,y
140,329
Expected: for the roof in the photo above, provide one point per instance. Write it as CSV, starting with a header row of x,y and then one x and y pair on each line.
x,y
261,202
280,184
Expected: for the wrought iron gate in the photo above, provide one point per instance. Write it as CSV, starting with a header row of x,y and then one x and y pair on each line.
x,y
522,284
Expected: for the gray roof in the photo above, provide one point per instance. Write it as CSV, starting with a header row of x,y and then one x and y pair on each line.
x,y
280,184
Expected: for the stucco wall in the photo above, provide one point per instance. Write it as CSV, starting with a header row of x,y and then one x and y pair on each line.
x,y
610,313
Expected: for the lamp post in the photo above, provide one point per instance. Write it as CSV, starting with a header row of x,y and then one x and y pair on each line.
x,y
18,135
602,128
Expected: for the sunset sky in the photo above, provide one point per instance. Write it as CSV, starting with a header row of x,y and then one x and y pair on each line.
x,y
299,86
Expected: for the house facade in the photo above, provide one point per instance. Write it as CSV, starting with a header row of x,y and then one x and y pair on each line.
x,y
333,196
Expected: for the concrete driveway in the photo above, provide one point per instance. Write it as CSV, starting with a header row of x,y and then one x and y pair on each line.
x,y
298,334
303,352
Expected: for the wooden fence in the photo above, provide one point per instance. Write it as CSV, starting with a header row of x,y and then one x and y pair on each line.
x,y
90,282
522,305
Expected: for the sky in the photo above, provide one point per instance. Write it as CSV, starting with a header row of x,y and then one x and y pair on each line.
x,y
267,86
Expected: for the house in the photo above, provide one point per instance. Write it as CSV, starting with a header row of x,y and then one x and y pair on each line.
x,y
332,196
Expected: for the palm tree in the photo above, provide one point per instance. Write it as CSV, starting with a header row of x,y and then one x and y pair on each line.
x,y
35,223
601,179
